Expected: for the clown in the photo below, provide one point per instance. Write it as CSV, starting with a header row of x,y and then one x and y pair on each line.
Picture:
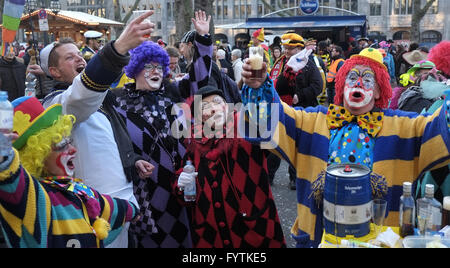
x,y
357,129
232,182
149,107
36,178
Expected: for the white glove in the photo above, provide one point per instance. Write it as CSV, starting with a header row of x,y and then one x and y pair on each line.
x,y
299,60
186,179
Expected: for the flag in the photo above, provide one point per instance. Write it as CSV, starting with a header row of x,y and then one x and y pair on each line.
x,y
12,11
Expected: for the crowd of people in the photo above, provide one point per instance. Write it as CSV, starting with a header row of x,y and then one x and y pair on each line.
x,y
96,158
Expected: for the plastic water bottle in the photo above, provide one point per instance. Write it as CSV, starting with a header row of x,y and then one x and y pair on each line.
x,y
30,84
6,122
190,191
6,113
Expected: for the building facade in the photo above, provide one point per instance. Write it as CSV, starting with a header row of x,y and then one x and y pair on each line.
x,y
390,19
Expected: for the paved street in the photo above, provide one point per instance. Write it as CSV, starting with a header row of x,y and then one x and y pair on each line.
x,y
285,200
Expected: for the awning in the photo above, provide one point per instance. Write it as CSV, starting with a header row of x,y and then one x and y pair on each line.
x,y
302,22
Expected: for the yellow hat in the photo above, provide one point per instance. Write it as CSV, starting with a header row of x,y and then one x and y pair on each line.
x,y
373,54
292,40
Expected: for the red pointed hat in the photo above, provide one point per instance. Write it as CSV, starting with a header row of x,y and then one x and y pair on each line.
x,y
259,34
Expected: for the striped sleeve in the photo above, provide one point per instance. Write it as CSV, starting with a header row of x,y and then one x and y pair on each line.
x,y
117,212
25,207
288,132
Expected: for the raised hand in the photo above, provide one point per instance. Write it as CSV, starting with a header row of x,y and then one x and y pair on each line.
x,y
247,75
201,22
135,33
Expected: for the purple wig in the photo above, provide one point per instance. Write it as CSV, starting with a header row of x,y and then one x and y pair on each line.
x,y
147,52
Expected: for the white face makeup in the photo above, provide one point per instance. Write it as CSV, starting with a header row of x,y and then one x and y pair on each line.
x,y
359,88
153,74
60,161
214,112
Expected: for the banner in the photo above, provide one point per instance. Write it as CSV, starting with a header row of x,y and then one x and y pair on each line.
x,y
12,11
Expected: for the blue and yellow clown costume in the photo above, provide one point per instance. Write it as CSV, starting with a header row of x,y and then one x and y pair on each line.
x,y
394,144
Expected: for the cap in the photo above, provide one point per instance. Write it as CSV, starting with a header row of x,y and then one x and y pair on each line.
x,y
429,189
43,57
188,37
407,186
92,34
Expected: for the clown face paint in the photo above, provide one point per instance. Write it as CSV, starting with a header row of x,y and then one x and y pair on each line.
x,y
60,160
360,88
214,111
153,74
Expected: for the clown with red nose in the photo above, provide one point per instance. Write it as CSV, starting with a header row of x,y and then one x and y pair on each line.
x,y
357,129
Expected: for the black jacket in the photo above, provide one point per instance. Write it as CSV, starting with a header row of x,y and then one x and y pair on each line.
x,y
12,78
308,85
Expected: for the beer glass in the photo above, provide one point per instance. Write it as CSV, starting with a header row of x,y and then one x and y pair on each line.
x,y
256,57
378,214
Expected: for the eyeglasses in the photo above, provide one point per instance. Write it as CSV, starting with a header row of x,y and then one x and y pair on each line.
x,y
63,144
216,101
151,67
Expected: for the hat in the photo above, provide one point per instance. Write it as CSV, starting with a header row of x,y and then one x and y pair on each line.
x,y
363,38
372,54
415,57
292,40
30,117
208,91
188,37
259,34
92,34
43,57
422,65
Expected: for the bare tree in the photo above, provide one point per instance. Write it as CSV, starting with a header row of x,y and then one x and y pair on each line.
x,y
183,14
418,13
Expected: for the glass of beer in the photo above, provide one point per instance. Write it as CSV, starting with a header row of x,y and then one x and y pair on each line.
x,y
446,211
256,57
137,13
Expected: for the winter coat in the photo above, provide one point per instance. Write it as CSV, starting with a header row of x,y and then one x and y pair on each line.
x,y
234,207
12,78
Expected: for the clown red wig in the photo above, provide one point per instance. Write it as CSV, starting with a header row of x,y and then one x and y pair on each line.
x,y
381,75
440,55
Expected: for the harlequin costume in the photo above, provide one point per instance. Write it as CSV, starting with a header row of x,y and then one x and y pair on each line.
x,y
52,211
234,207
394,144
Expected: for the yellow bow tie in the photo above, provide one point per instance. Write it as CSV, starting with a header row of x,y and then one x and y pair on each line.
x,y
338,116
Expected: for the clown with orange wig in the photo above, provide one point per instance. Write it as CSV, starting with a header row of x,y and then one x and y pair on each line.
x,y
358,129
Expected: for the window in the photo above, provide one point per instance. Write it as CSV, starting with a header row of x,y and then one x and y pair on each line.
x,y
350,5
375,7
325,11
431,37
434,8
401,7
402,35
